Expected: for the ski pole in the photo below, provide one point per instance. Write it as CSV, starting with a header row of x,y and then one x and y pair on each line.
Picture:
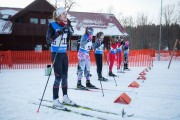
x,y
49,75
101,83
108,65
122,64
101,88
117,61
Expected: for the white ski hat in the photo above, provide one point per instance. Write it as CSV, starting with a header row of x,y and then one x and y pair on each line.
x,y
59,11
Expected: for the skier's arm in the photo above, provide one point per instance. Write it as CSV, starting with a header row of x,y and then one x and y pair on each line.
x,y
83,41
50,35
96,44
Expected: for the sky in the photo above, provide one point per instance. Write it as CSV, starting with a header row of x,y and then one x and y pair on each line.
x,y
127,7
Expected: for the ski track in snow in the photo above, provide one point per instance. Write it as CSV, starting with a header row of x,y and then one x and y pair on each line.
x,y
157,98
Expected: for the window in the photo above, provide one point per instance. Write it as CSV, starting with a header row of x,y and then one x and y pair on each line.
x,y
34,20
50,20
42,21
38,48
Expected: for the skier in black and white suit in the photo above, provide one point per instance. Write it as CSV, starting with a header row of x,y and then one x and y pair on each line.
x,y
98,46
57,34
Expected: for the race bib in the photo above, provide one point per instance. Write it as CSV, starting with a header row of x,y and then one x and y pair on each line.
x,y
88,46
62,39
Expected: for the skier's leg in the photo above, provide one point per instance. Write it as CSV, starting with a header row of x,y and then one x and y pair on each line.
x,y
58,74
80,73
64,83
98,58
88,83
112,58
87,66
111,62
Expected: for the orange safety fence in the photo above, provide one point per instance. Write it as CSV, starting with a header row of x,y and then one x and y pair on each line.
x,y
166,55
33,59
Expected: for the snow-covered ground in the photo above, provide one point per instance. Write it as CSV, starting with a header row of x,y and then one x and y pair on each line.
x,y
157,98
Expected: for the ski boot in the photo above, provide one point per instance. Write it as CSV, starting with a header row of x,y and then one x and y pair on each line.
x,y
100,78
57,104
66,100
89,85
111,74
120,71
80,86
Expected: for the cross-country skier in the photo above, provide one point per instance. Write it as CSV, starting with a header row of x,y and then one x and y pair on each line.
x,y
78,45
112,54
84,58
126,55
119,52
57,34
99,48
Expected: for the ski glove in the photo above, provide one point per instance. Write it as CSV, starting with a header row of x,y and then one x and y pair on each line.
x,y
63,30
90,37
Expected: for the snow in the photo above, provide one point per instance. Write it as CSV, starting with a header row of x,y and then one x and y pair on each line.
x,y
111,29
157,98
5,27
80,24
8,12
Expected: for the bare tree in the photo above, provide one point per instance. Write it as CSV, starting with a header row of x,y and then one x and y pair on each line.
x,y
178,12
67,4
125,20
141,23
141,19
170,16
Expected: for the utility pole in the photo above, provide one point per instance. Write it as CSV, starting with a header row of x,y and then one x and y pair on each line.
x,y
160,34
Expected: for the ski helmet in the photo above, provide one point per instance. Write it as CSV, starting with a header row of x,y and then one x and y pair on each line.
x,y
89,31
59,11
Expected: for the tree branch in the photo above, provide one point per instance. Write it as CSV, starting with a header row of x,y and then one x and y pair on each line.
x,y
69,7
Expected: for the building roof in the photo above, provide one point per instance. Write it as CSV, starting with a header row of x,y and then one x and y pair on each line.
x,y
36,6
5,13
6,8
9,11
107,23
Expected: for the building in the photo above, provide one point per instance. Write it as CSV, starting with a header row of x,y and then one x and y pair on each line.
x,y
26,28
